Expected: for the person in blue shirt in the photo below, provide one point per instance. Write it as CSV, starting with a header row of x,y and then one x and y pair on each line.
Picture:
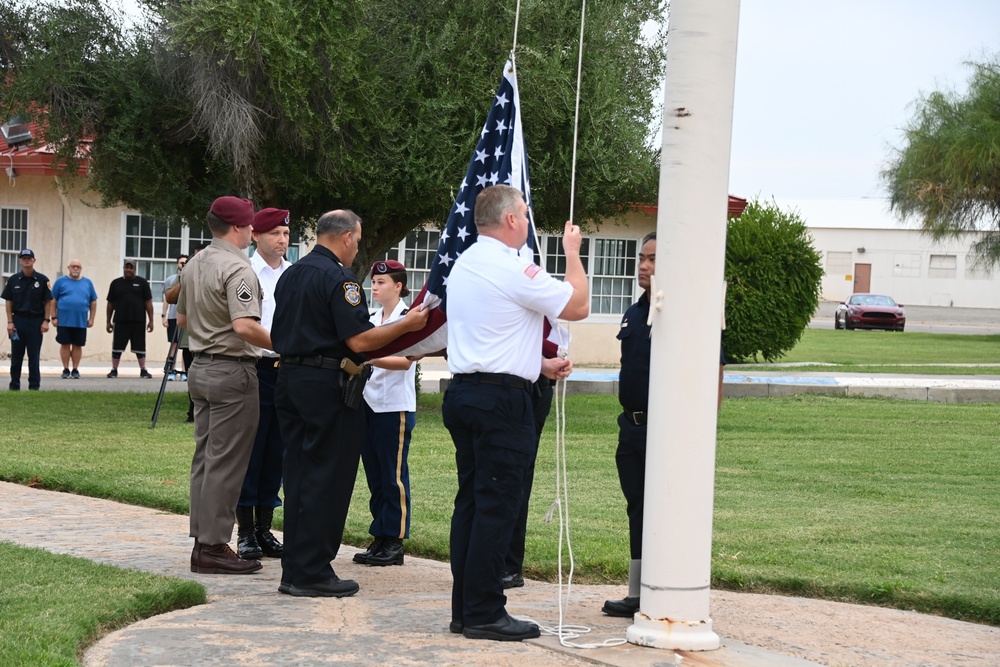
x,y
75,307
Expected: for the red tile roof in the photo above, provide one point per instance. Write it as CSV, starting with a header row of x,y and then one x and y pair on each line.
x,y
37,158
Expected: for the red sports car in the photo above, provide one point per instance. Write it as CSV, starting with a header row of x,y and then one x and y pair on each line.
x,y
869,311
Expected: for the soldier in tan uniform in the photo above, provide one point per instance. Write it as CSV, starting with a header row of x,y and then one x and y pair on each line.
x,y
220,306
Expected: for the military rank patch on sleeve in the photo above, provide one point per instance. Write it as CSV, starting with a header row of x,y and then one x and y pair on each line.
x,y
352,293
243,292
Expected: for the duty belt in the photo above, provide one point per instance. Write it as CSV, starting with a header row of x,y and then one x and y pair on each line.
x,y
637,418
500,379
316,360
225,357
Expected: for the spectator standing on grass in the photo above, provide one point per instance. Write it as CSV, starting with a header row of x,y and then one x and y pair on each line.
x,y
169,316
28,302
130,304
75,306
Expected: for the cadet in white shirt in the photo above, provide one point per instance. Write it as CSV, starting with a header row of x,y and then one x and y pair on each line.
x,y
497,303
390,411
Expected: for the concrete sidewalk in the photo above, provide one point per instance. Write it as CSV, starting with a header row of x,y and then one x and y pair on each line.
x,y
401,615
783,381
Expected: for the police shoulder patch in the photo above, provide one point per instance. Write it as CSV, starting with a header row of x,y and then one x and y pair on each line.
x,y
243,292
352,293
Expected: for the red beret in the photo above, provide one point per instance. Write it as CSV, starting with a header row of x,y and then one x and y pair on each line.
x,y
269,218
234,211
384,266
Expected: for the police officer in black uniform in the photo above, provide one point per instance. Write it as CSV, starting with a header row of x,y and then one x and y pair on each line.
x,y
633,394
321,318
28,298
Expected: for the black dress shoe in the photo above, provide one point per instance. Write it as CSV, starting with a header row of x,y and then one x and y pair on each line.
x,y
334,587
283,587
624,608
362,557
507,629
455,627
391,553
512,580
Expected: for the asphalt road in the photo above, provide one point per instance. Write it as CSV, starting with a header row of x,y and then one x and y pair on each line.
x,y
927,319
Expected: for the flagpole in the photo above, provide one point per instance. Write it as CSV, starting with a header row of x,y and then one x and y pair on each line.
x,y
684,366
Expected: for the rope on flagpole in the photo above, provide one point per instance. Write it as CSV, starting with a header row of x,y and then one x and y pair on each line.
x,y
576,115
517,19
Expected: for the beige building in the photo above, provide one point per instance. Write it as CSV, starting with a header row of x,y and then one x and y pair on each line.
x,y
63,224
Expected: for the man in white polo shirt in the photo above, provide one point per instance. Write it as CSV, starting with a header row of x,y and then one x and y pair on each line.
x,y
497,303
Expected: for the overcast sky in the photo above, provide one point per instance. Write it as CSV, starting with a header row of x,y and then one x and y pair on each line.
x,y
823,87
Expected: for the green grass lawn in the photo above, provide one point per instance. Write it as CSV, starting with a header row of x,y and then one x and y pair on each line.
x,y
863,500
53,606
869,350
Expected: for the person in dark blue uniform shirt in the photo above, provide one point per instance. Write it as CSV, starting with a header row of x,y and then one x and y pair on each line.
x,y
28,298
321,318
633,394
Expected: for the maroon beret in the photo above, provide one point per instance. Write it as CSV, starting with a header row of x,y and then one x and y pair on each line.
x,y
269,218
384,266
234,211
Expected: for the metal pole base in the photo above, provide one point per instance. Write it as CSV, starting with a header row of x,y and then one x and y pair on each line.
x,y
680,635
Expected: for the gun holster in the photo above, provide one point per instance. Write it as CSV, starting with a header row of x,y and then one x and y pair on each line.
x,y
353,381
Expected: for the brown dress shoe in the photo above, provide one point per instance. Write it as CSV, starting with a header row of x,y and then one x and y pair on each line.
x,y
221,559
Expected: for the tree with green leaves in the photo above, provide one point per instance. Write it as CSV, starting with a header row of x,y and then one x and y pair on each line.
x,y
773,275
946,176
373,105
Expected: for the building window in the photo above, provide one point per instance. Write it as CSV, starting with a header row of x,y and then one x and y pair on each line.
x,y
13,238
906,265
155,246
974,269
612,284
610,264
838,263
613,277
942,266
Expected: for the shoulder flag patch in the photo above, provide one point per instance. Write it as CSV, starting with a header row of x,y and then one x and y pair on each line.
x,y
532,270
244,293
352,293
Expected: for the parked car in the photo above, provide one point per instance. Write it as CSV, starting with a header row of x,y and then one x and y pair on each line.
x,y
870,311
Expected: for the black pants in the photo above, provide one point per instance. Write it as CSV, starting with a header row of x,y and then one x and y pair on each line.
x,y
494,434
263,479
631,461
29,339
541,404
322,440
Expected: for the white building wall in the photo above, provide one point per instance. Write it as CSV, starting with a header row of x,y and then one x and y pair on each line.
x,y
905,263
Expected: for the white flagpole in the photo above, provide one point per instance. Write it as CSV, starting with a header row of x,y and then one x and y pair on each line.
x,y
686,312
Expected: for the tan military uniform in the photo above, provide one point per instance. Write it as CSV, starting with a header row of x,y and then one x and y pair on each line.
x,y
218,285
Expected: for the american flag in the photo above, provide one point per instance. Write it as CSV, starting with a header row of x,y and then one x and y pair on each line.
x,y
499,157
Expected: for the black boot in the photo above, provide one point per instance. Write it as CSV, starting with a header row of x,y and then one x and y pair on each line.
x,y
269,544
246,544
391,553
373,548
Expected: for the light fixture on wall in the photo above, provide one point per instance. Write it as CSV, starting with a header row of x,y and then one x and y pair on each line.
x,y
861,250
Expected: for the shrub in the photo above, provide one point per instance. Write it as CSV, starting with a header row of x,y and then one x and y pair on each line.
x,y
774,277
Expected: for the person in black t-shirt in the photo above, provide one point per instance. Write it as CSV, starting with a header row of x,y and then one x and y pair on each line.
x,y
130,304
